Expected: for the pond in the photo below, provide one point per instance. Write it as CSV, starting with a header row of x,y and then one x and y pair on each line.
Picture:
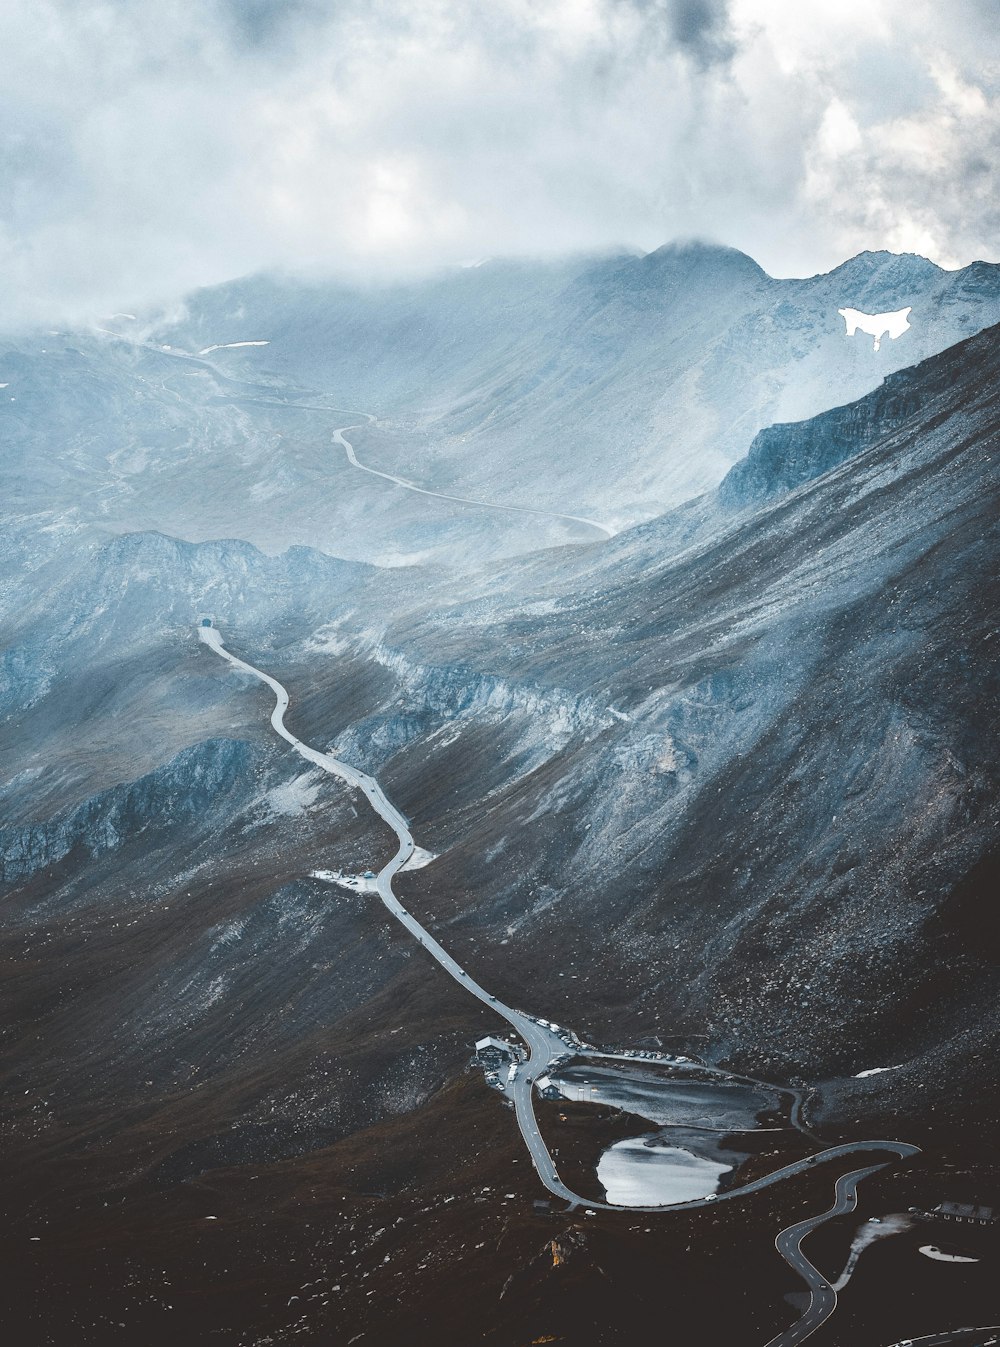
x,y
646,1171
721,1105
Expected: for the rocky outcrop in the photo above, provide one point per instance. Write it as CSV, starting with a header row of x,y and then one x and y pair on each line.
x,y
185,791
430,698
782,457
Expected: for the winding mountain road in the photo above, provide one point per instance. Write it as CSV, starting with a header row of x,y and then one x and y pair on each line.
x,y
971,1337
822,1296
339,438
546,1048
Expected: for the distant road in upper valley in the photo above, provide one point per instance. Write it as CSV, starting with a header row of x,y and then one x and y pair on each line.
x,y
338,436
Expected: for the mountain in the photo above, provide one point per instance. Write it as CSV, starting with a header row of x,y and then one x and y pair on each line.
x,y
727,781
615,386
610,388
105,436
802,780
784,456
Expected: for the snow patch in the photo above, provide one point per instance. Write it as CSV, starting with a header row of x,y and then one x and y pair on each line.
x,y
867,1234
326,641
876,1071
293,798
227,346
351,883
644,1172
261,491
931,1251
419,859
230,933
877,325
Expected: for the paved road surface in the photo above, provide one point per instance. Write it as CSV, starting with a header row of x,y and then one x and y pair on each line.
x,y
338,436
822,1296
545,1047
971,1337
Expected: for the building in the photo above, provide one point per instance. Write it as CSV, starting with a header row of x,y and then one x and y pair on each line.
x,y
964,1213
491,1044
206,621
546,1089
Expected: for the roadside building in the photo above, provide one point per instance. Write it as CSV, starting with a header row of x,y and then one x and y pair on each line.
x,y
546,1089
960,1213
964,1213
491,1044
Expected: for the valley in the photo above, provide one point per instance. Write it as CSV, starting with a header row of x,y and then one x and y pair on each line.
x,y
547,1046
713,783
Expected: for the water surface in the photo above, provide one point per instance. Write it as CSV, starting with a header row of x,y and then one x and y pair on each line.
x,y
645,1171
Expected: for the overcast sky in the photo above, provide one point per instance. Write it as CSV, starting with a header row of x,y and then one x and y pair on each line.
x,y
150,146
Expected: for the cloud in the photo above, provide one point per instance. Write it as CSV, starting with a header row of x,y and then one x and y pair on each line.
x,y
702,28
698,29
145,150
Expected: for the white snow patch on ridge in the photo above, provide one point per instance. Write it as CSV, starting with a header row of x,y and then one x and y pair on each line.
x,y
876,1071
877,325
229,346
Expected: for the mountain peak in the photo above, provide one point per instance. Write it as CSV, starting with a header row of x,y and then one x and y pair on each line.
x,y
697,254
886,266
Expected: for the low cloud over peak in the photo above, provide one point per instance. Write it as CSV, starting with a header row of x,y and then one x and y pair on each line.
x,y
147,150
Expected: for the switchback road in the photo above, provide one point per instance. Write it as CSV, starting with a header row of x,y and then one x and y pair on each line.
x,y
546,1047
822,1296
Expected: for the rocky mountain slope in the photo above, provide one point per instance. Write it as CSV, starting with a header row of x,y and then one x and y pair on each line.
x,y
728,780
796,770
614,388
618,385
